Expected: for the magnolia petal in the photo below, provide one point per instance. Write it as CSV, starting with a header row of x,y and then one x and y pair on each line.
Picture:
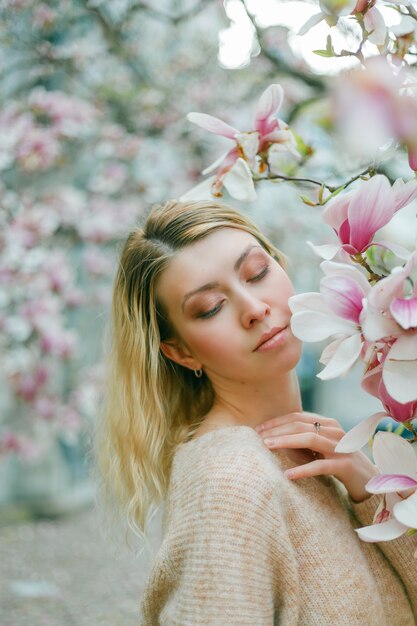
x,y
406,26
382,532
412,157
344,357
202,191
375,325
326,251
400,369
343,296
405,512
372,206
385,483
249,144
371,379
239,182
374,21
401,412
310,301
385,290
394,455
269,102
212,124
404,192
399,251
330,350
359,435
331,268
336,211
312,21
314,326
404,311
338,8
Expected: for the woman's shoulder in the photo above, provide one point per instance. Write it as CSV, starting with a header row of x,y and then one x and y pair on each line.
x,y
228,457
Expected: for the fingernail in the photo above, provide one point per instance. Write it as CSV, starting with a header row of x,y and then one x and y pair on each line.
x,y
289,473
269,441
259,428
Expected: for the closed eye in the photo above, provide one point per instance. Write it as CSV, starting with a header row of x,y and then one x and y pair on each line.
x,y
259,276
213,311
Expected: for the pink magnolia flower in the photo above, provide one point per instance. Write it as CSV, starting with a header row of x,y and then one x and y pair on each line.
x,y
250,152
390,315
357,215
335,311
27,385
38,150
397,463
58,342
69,115
360,434
390,93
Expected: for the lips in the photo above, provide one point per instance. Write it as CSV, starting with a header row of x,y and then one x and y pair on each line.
x,y
266,336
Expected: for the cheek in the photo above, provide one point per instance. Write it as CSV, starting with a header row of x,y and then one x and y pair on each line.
x,y
213,340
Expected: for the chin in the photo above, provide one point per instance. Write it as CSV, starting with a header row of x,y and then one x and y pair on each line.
x,y
290,358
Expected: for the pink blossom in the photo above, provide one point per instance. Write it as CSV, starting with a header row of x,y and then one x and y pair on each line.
x,y
9,442
390,315
38,150
335,311
390,94
28,385
96,262
46,407
250,152
69,115
357,215
59,271
397,464
58,342
373,384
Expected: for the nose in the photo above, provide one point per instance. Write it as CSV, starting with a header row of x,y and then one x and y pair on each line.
x,y
253,310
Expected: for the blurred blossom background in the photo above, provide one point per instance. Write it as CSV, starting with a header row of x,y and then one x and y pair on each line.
x,y
93,131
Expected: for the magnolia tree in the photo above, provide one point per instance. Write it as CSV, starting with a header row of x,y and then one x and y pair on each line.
x,y
93,132
367,303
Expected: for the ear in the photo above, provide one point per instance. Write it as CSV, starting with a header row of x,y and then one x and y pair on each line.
x,y
176,351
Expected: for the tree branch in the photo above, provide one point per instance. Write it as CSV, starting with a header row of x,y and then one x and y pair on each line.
x,y
280,64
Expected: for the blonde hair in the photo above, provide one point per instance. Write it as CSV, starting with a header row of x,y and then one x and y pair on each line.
x,y
152,404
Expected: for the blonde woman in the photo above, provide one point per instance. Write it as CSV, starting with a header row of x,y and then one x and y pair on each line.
x,y
258,523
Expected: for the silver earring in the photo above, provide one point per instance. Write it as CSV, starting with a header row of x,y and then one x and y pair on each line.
x,y
198,373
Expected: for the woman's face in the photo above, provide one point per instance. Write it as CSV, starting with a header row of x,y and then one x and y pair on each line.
x,y
225,296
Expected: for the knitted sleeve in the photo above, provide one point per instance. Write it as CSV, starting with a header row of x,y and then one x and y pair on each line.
x,y
234,550
400,552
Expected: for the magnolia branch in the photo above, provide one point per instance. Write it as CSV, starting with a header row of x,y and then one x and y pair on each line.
x,y
278,61
370,171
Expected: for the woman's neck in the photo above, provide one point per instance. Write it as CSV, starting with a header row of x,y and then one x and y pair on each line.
x,y
252,405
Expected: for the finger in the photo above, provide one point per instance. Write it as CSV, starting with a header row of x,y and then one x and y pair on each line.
x,y
309,418
302,427
319,467
302,440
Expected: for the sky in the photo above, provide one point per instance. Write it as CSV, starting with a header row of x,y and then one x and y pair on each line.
x,y
236,42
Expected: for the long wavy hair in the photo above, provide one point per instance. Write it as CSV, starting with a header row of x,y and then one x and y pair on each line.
x,y
152,404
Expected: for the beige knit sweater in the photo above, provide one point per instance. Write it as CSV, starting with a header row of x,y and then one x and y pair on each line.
x,y
244,545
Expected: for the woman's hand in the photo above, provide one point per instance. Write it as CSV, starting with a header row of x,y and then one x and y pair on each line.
x,y
298,431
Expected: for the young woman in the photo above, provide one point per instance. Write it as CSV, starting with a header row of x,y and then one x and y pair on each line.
x,y
204,413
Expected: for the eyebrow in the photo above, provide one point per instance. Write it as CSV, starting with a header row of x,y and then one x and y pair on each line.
x,y
212,285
